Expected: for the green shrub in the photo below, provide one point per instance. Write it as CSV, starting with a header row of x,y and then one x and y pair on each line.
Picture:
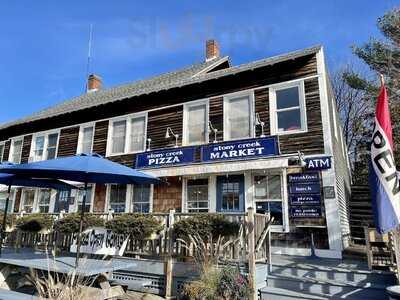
x,y
10,220
34,222
70,223
138,226
206,225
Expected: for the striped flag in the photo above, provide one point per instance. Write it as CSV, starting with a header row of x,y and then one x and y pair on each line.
x,y
383,178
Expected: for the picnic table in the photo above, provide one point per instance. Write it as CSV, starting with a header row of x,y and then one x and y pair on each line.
x,y
40,261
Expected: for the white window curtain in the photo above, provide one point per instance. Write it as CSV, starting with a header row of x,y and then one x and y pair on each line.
x,y
137,136
118,136
239,117
197,124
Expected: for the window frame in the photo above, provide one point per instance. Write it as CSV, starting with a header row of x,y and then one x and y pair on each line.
x,y
285,202
46,134
128,119
226,99
2,143
273,111
90,201
80,136
186,195
23,198
186,107
11,153
130,193
108,198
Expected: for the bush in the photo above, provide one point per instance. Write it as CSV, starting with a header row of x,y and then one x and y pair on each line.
x,y
138,226
223,283
206,225
70,223
10,220
34,222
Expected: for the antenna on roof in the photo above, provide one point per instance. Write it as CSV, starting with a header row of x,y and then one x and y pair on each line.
x,y
88,57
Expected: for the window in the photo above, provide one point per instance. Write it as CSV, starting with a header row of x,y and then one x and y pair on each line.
x,y
268,196
117,197
29,200
196,123
86,139
230,196
45,146
3,199
288,108
138,133
141,198
88,201
238,117
197,195
16,151
1,152
127,135
44,200
63,200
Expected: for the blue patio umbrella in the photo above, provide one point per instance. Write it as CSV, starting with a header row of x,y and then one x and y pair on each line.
x,y
16,180
86,168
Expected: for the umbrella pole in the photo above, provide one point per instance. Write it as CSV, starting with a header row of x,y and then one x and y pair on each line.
x,y
78,242
5,218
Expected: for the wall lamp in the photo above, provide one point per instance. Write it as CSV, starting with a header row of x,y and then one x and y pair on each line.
x,y
301,160
170,132
214,130
258,122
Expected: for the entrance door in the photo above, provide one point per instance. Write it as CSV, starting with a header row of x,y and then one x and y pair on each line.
x,y
230,193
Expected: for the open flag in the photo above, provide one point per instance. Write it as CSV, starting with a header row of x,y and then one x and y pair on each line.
x,y
383,178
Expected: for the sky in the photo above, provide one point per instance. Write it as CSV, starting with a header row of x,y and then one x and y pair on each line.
x,y
44,44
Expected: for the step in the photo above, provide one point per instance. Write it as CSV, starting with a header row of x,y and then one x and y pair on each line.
x,y
327,288
272,293
336,274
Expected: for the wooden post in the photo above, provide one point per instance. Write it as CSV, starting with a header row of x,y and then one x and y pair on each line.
x,y
168,261
252,258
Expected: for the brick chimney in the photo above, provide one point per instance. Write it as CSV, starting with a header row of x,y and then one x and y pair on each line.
x,y
212,49
94,83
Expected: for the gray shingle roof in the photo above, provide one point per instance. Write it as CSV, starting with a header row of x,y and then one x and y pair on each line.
x,y
190,75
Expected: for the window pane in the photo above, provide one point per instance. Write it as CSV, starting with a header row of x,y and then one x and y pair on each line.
x,y
286,98
274,208
87,139
138,134
289,120
80,195
239,117
17,148
39,147
118,197
197,124
274,187
230,196
118,138
29,198
197,195
52,145
44,201
141,198
260,183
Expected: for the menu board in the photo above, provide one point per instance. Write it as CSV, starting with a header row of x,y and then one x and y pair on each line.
x,y
305,195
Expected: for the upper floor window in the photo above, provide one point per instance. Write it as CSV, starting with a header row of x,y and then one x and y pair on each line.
x,y
287,105
238,116
16,150
195,125
85,143
1,151
127,135
45,146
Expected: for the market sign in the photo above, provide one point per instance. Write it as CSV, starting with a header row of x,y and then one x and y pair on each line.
x,y
165,158
305,212
237,150
99,240
318,163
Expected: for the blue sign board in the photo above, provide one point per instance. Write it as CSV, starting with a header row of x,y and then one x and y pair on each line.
x,y
165,158
303,177
312,199
318,163
306,212
308,188
244,149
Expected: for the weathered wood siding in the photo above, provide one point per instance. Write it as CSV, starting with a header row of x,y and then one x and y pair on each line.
x,y
6,152
68,141
216,116
26,148
167,196
100,137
